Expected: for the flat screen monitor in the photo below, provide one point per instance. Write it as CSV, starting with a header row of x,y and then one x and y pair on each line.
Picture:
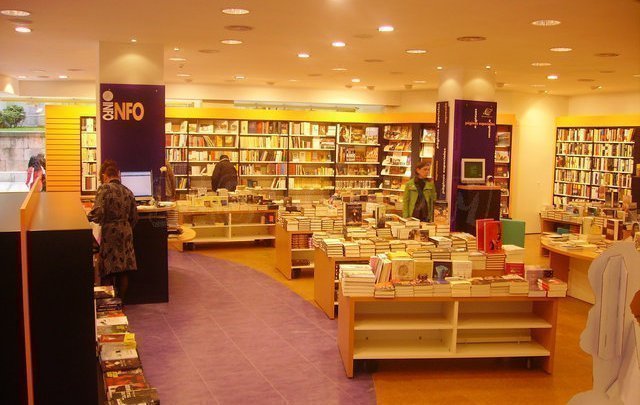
x,y
472,171
140,184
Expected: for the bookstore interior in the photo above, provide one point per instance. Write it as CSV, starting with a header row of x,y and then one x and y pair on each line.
x,y
385,244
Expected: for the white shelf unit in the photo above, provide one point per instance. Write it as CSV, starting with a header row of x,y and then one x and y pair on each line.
x,y
396,165
357,157
88,156
230,225
445,327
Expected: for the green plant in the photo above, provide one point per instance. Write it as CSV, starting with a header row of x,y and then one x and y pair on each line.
x,y
12,116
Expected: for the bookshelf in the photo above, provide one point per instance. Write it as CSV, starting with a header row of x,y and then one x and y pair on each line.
x,y
396,165
447,328
294,252
263,149
208,140
88,156
428,147
311,157
591,162
357,157
176,151
502,167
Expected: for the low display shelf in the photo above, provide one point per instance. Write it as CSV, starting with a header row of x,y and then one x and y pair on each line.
x,y
293,253
446,327
228,225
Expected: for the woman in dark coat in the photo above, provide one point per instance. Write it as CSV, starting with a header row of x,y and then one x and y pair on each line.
x,y
115,210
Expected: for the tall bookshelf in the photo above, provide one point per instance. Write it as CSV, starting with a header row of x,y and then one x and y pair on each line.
x,y
176,151
263,154
502,167
311,154
593,162
428,147
396,165
208,140
88,156
357,157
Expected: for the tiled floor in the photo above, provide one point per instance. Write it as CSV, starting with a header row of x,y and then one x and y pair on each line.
x,y
232,335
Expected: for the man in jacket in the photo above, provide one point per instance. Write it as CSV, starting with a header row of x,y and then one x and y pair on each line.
x,y
224,175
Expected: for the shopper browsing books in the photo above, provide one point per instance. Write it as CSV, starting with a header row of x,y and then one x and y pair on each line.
x,y
224,175
419,194
115,211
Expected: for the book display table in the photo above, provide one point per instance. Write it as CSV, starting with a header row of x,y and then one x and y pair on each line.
x,y
291,255
447,328
571,266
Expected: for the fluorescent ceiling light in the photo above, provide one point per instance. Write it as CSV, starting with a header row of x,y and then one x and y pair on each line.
x,y
231,41
183,75
419,81
416,51
23,30
176,49
545,23
355,80
561,49
63,77
235,11
552,77
540,64
303,55
338,44
487,67
178,59
15,13
239,77
133,40
385,28
439,68
339,69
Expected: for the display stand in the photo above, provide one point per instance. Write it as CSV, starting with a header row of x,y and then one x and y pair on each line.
x,y
285,253
475,202
447,328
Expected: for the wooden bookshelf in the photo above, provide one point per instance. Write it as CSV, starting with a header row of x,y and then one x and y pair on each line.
x,y
446,328
357,160
287,251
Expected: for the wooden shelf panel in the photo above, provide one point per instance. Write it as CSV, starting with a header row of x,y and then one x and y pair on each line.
x,y
481,350
401,322
401,349
500,321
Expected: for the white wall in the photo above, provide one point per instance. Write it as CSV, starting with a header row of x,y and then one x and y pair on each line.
x,y
605,104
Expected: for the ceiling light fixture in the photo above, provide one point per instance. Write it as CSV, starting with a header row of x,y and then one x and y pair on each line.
x,y
596,87
133,40
385,28
239,77
606,54
22,77
355,80
472,38
338,44
339,69
294,80
63,77
487,67
561,49
540,64
235,11
23,30
439,68
231,41
183,75
178,59
15,13
552,77
545,23
419,81
303,55
416,51
176,49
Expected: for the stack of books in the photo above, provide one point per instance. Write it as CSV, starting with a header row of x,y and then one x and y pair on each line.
x,y
459,254
423,287
367,247
357,280
381,245
461,268
384,290
304,223
499,286
480,287
460,287
442,229
495,262
300,241
441,241
351,249
441,254
384,233
553,286
422,268
457,242
441,288
532,273
514,260
332,246
517,284
403,288
396,245
478,260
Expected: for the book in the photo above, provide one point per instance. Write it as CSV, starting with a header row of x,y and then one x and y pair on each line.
x,y
352,213
120,364
144,396
442,269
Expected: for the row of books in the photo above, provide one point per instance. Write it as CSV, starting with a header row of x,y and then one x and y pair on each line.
x,y
123,375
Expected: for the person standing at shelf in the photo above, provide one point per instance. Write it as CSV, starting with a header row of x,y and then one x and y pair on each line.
x,y
224,175
115,210
419,194
34,171
166,174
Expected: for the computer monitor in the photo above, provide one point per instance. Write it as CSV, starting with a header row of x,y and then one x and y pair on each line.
x,y
140,184
472,171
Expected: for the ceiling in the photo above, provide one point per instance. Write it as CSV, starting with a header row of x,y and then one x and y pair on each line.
x,y
65,36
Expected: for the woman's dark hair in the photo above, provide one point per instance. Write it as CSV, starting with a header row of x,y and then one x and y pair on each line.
x,y
420,165
32,161
109,168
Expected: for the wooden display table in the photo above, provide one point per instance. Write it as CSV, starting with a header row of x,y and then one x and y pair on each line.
x,y
325,280
447,328
571,266
285,253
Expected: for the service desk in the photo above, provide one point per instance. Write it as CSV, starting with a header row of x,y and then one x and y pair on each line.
x,y
572,266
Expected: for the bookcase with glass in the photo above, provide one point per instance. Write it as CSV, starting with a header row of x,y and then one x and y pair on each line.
x,y
357,157
88,158
396,166
311,157
262,164
592,163
502,167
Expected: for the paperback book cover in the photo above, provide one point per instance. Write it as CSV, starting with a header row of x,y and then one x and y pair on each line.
x,y
442,269
353,213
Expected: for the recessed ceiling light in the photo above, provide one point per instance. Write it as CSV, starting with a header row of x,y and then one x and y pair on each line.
x,y
176,49
239,77
552,77
540,64
373,60
22,77
487,67
303,55
339,69
133,40
416,51
439,67
385,28
15,13
208,51
63,77
596,87
471,38
231,41
178,59
338,44
23,30
183,75
606,54
355,80
235,11
561,49
419,81
586,80
294,80
238,28
545,23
